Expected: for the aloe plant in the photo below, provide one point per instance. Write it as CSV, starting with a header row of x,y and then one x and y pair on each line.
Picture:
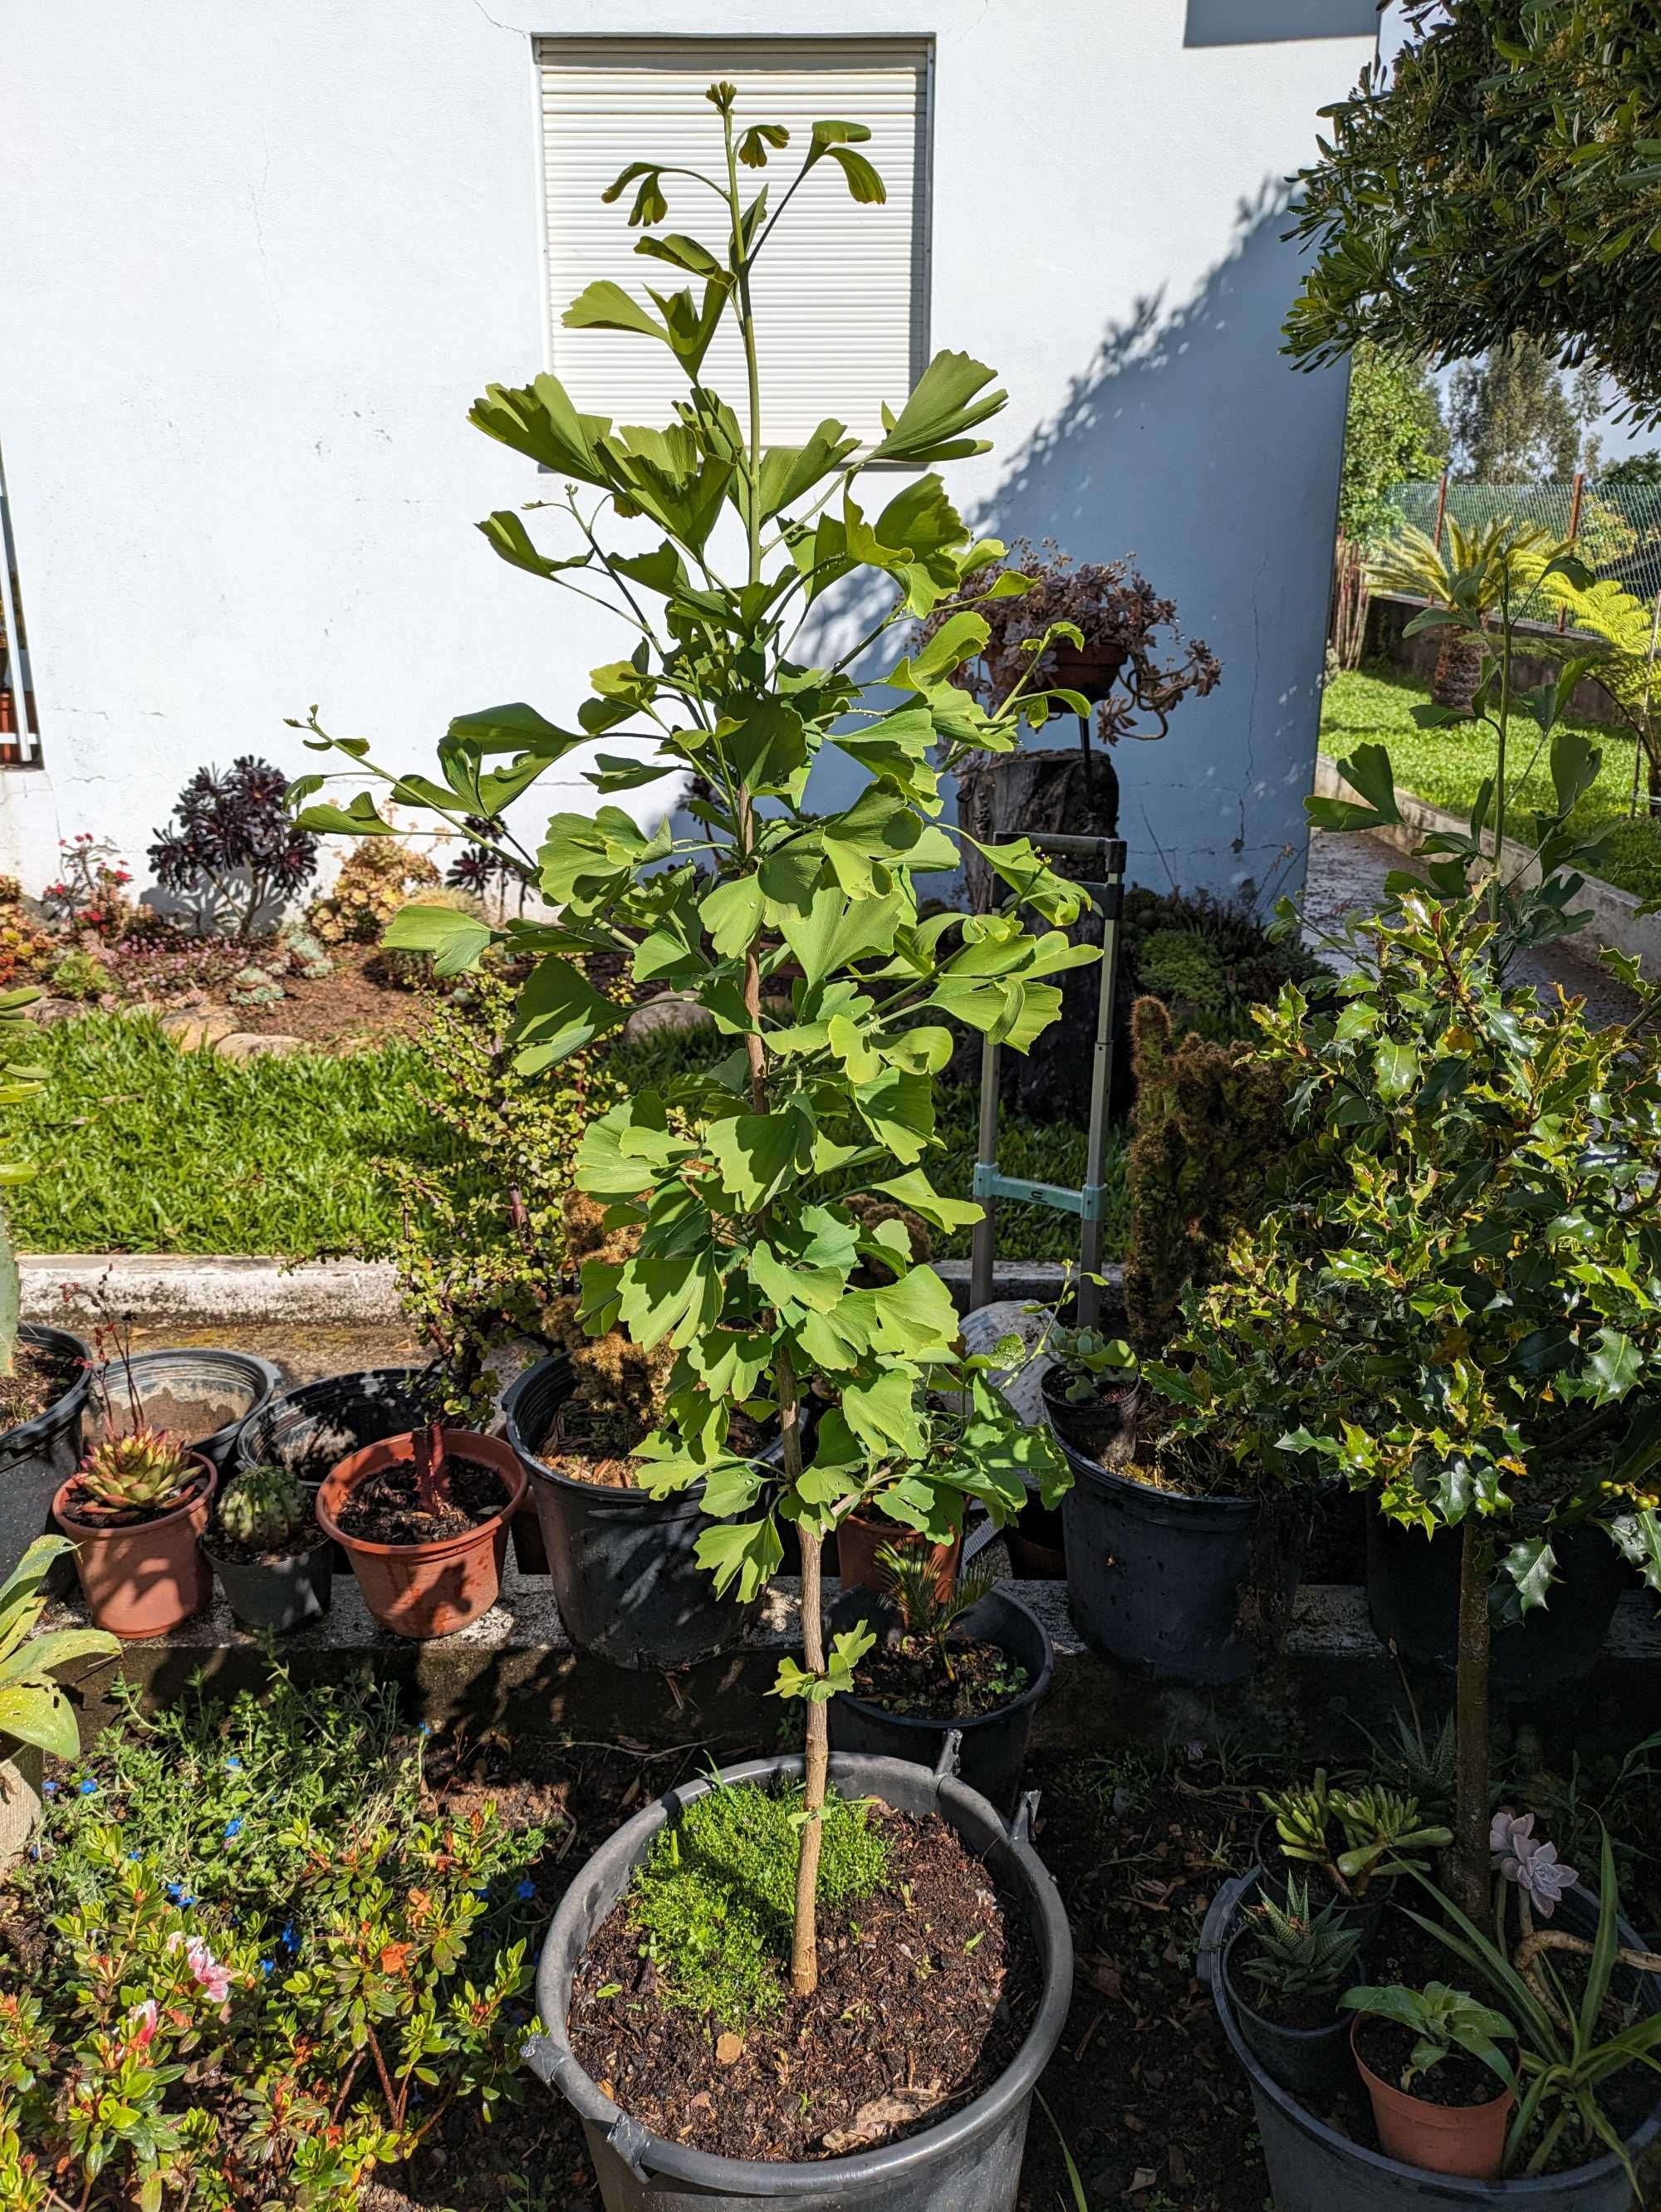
x,y
33,1710
800,934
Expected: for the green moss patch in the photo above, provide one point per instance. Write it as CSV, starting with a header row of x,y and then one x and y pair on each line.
x,y
713,1903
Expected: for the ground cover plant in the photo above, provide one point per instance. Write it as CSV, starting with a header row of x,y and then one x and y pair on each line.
x,y
249,1965
1447,767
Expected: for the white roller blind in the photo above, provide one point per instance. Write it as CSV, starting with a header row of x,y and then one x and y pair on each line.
x,y
840,292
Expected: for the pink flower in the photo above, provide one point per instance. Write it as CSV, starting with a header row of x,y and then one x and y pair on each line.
x,y
214,1978
148,2015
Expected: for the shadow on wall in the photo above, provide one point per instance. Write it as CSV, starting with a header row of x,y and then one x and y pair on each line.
x,y
1189,443
1263,22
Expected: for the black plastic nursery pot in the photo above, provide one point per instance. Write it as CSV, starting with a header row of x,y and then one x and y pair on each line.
x,y
1313,2169
627,1584
202,1397
1307,2061
276,1595
1091,1425
309,1430
1154,1578
1413,1596
971,2162
992,1747
39,1456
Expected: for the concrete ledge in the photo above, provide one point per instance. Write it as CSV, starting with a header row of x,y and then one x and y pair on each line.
x,y
228,1288
516,1668
1615,923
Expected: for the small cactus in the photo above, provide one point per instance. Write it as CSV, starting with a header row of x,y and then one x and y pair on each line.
x,y
142,1473
262,1508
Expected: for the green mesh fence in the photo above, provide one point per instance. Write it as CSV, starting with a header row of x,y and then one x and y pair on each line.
x,y
1620,528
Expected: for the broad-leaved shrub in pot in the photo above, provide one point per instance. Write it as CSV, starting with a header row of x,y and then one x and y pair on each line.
x,y
735,1176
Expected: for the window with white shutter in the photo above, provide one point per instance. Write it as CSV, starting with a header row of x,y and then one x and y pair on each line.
x,y
841,293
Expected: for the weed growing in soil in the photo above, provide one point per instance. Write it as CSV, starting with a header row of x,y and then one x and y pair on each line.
x,y
714,1901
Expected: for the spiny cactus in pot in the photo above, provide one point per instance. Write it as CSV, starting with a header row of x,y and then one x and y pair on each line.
x,y
271,1558
264,1507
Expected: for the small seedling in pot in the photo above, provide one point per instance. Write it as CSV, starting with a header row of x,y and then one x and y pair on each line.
x,y
1298,1952
264,1508
143,1474
929,1616
1442,2020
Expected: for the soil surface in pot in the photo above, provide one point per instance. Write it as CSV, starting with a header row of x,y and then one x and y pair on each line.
x,y
908,1676
102,1517
1458,2079
387,1507
1307,2011
915,2016
305,1539
585,1447
38,1380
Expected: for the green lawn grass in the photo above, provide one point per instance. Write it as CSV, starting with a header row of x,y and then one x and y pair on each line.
x,y
142,1148
1445,766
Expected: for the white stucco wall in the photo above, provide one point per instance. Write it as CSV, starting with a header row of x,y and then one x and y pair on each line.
x,y
257,261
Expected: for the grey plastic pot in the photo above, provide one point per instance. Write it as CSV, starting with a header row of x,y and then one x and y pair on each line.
x,y
39,1456
1413,1598
627,1584
971,2162
276,1595
203,1396
992,1747
1154,1578
1313,2169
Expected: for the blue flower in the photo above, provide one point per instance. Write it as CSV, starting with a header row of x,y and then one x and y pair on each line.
x,y
525,1889
426,1729
50,1788
482,1889
233,1762
176,1891
288,1937
134,1854
232,1829
268,1965
89,1788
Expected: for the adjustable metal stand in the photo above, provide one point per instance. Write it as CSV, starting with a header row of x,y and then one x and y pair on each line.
x,y
1089,1203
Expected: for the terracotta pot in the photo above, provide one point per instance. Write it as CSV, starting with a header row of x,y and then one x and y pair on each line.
x,y
1467,2140
1091,672
423,1590
859,1539
143,1579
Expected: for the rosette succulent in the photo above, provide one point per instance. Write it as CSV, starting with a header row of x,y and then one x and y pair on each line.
x,y
143,1472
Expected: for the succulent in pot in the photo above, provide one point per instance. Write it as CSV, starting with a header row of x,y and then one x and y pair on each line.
x,y
1431,2111
1286,1965
803,936
1352,1843
35,1716
1090,1390
135,1509
270,1556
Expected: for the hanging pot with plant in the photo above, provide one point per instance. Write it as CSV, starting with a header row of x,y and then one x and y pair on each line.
x,y
424,1520
268,1551
135,1510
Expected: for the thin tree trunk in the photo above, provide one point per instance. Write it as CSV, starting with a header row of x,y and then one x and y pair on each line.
x,y
1471,1807
804,1939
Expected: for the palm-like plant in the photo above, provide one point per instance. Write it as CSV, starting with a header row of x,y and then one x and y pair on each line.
x,y
1469,577
912,1580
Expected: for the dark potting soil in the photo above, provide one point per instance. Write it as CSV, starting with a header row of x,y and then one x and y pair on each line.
x,y
306,1538
1309,2010
386,1509
918,2014
908,1676
1458,2079
582,1452
38,1380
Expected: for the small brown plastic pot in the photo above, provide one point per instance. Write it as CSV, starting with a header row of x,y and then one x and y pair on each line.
x,y
144,1577
424,1590
859,1540
1466,2140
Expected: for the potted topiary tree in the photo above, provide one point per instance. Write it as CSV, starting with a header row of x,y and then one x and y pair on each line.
x,y
1460,1321
735,1178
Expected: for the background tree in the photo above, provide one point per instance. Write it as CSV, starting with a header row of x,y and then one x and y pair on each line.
x,y
1394,431
1514,422
1642,472
1500,180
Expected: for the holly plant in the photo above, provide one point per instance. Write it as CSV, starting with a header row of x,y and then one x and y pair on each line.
x,y
800,934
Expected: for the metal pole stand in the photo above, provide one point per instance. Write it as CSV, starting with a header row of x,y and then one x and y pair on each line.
x,y
1089,1203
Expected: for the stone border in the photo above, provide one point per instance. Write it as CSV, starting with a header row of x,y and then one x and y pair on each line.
x,y
1616,921
362,1293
